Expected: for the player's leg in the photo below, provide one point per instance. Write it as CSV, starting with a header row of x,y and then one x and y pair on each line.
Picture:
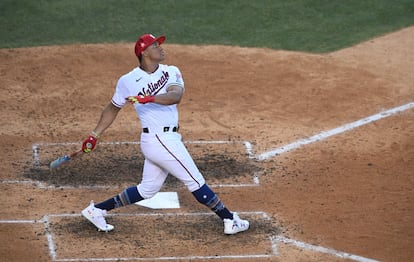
x,y
170,154
153,177
232,222
173,156
152,180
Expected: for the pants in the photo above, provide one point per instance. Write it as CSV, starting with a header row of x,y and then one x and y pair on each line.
x,y
165,154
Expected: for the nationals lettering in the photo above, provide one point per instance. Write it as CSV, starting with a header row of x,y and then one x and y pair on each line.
x,y
154,88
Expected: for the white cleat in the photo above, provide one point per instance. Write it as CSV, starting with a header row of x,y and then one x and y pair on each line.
x,y
236,225
97,217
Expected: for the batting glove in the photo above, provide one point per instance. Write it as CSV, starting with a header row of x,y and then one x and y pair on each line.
x,y
140,99
89,144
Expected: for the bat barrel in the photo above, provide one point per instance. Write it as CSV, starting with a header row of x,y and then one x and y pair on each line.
x,y
58,162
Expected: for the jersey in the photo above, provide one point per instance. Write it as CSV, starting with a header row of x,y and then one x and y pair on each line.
x,y
138,82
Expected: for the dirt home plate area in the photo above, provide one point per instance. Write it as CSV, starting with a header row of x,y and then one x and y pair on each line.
x,y
315,150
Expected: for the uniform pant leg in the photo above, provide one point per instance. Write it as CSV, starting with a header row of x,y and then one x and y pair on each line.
x,y
170,154
153,177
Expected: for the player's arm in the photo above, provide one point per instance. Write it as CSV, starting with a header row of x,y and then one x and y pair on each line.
x,y
108,116
172,96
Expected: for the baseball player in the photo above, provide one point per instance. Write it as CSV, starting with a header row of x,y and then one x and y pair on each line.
x,y
155,89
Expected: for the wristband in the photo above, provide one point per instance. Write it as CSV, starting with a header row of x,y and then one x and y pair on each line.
x,y
94,134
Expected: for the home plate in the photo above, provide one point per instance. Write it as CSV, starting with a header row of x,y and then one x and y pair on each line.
x,y
161,200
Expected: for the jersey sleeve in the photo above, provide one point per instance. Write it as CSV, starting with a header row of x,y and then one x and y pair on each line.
x,y
176,77
121,92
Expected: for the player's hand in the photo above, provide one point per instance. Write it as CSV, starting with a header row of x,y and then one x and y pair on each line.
x,y
140,99
89,144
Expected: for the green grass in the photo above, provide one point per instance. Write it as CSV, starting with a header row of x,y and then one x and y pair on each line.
x,y
304,25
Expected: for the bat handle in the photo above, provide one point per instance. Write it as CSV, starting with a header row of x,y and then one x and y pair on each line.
x,y
74,153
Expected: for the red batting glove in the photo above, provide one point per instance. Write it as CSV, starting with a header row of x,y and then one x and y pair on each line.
x,y
89,144
140,99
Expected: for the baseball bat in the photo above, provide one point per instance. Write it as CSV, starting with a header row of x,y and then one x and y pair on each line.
x,y
63,159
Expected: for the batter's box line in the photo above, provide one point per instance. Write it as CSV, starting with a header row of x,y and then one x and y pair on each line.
x,y
36,146
54,254
36,162
310,247
274,241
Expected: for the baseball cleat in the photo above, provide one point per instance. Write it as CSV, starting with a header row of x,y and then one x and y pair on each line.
x,y
236,225
97,217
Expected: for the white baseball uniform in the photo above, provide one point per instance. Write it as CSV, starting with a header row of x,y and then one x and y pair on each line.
x,y
161,144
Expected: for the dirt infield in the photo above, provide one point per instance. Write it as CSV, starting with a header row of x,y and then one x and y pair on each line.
x,y
342,197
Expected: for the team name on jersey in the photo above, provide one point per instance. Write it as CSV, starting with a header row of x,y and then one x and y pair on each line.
x,y
154,88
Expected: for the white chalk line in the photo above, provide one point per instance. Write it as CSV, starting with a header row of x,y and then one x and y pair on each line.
x,y
273,240
18,221
325,134
45,222
320,249
189,258
36,147
45,144
172,214
42,185
49,237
